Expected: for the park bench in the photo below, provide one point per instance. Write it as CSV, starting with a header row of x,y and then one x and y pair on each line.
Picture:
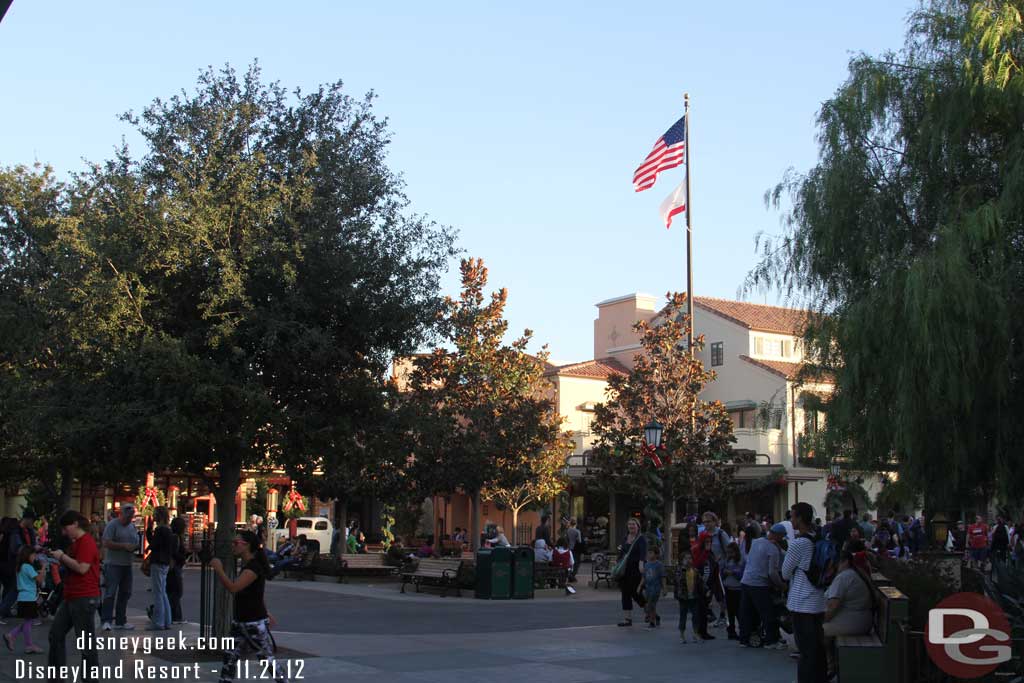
x,y
443,573
370,564
875,657
604,563
306,566
547,575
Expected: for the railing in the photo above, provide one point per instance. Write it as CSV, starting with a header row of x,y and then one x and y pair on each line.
x,y
206,589
523,534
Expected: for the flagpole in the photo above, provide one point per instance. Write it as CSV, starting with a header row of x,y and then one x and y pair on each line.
x,y
689,232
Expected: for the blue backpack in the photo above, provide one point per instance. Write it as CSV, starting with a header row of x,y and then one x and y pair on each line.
x,y
823,563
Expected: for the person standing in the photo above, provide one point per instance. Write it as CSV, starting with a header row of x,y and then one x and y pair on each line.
x,y
761,577
1000,540
176,574
575,541
689,592
29,581
719,540
867,528
161,547
841,529
19,535
250,627
731,571
634,552
120,540
654,576
81,594
806,602
977,541
544,530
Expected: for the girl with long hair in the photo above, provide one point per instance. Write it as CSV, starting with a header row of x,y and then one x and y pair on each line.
x,y
250,627
29,580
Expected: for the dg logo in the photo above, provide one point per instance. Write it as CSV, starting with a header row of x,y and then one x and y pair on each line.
x,y
968,635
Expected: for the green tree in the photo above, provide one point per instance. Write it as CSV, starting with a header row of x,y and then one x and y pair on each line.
x,y
664,385
269,251
66,313
486,419
906,239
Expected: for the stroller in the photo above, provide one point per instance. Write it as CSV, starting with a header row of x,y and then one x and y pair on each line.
x,y
52,591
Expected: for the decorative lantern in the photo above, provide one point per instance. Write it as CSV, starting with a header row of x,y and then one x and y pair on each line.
x,y
652,433
273,499
172,502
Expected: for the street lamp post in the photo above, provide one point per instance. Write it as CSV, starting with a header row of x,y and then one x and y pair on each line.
x,y
653,433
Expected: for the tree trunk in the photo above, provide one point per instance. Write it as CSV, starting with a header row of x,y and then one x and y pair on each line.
x,y
515,525
227,486
64,497
669,522
474,526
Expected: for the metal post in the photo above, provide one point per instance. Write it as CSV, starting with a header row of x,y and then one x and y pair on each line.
x,y
689,229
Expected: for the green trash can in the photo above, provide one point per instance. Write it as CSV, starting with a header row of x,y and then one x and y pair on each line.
x,y
493,573
522,573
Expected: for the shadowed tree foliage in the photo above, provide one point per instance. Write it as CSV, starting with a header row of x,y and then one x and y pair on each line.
x,y
907,239
488,422
664,385
265,254
66,315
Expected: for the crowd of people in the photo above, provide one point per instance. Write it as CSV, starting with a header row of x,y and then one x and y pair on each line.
x,y
807,578
983,545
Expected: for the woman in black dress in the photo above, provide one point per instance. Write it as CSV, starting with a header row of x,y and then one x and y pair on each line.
x,y
250,627
634,549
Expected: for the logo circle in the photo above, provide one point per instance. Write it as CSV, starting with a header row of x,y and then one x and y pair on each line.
x,y
960,642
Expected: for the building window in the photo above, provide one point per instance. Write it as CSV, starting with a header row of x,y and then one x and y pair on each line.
x,y
777,348
717,353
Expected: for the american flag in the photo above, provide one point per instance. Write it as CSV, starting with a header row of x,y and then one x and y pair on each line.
x,y
669,152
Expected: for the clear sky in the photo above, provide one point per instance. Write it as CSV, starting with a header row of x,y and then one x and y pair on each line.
x,y
519,124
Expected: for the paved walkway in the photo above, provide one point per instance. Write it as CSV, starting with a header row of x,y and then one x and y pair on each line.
x,y
384,636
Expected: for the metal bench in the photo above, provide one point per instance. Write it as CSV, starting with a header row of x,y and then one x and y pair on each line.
x,y
443,573
603,565
365,565
306,566
546,575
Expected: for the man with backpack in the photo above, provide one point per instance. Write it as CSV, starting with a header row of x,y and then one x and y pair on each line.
x,y
809,566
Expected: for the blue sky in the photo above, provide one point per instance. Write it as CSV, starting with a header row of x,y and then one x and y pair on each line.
x,y
519,124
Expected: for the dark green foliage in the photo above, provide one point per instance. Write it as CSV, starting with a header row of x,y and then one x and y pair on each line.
x,y
907,240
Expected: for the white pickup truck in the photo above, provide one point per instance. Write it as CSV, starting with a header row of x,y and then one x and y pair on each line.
x,y
317,529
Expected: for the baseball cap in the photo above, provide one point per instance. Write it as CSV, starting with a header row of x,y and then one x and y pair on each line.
x,y
129,507
779,529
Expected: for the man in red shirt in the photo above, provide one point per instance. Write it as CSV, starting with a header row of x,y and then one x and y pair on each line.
x,y
977,541
81,594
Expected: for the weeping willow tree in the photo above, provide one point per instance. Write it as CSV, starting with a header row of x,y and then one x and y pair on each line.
x,y
906,240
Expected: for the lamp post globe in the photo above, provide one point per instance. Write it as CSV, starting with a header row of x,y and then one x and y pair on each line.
x,y
652,433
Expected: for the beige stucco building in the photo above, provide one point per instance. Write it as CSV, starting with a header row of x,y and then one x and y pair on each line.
x,y
755,351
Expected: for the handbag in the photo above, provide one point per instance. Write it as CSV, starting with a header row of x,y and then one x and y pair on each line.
x,y
619,570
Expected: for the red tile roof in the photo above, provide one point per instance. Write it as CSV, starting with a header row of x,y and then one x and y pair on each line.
x,y
756,316
782,368
593,369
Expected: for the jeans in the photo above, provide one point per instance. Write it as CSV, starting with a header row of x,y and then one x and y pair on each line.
x,y
810,640
10,584
175,589
651,609
77,613
757,607
118,581
161,605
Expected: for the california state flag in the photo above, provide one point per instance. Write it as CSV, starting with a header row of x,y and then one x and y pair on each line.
x,y
674,203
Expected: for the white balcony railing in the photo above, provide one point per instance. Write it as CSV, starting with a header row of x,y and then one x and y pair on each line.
x,y
770,442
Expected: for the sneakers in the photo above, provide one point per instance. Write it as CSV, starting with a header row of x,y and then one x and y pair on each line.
x,y
720,622
9,642
107,626
34,650
122,627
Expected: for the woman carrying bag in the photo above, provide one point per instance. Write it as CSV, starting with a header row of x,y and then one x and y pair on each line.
x,y
629,571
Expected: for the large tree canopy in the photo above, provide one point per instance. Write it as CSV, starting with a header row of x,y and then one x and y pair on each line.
x,y
907,240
